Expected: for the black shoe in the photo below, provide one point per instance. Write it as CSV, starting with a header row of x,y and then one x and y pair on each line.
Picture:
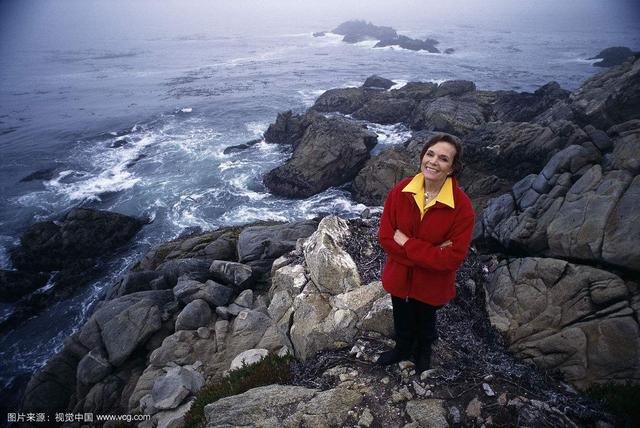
x,y
391,357
423,359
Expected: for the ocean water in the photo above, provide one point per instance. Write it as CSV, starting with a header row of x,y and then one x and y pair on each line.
x,y
137,122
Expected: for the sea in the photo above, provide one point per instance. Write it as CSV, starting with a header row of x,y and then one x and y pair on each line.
x,y
133,116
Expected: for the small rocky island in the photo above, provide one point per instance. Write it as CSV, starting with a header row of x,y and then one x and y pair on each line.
x,y
548,299
358,31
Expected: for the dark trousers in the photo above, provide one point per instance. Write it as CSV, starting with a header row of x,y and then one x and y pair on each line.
x,y
414,324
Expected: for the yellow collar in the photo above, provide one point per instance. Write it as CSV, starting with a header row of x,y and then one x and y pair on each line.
x,y
416,186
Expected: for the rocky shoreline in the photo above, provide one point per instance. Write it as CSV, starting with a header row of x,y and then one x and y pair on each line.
x,y
554,178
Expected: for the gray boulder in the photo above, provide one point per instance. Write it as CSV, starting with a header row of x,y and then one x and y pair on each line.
x,y
237,275
577,320
287,129
457,116
374,181
196,269
93,367
271,406
455,88
513,106
170,390
342,100
196,314
259,246
610,97
386,110
215,294
378,82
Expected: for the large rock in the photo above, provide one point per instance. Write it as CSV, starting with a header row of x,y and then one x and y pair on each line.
x,y
405,42
236,275
178,383
259,246
610,97
330,267
574,319
428,413
386,110
195,315
123,324
324,306
375,81
331,153
513,106
572,209
373,183
341,100
457,116
194,268
83,233
288,129
495,147
188,290
279,405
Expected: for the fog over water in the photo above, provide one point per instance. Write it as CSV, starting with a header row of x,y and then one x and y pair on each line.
x,y
128,105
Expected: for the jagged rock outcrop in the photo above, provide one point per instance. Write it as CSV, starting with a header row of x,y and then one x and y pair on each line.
x,y
323,305
578,207
331,153
577,320
166,322
609,98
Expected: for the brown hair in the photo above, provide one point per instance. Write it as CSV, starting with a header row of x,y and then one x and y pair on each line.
x,y
455,142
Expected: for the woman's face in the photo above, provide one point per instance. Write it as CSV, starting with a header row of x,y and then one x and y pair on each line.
x,y
437,162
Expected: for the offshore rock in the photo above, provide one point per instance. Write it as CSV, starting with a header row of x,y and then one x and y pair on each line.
x,y
331,153
83,233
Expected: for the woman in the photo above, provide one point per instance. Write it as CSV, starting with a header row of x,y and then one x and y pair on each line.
x,y
425,229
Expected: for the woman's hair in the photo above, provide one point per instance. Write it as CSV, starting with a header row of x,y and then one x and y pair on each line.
x,y
455,142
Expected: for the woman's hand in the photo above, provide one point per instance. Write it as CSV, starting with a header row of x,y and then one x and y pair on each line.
x,y
445,244
400,237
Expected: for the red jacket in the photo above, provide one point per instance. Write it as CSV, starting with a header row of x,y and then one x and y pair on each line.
x,y
420,269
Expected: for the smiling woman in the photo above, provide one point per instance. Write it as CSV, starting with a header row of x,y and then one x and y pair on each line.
x,y
425,229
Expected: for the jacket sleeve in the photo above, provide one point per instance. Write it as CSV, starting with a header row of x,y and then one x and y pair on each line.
x,y
430,256
387,230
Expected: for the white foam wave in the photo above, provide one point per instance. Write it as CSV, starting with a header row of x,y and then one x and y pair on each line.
x,y
334,201
309,96
389,135
246,214
367,43
233,164
186,110
330,38
399,84
257,128
585,61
